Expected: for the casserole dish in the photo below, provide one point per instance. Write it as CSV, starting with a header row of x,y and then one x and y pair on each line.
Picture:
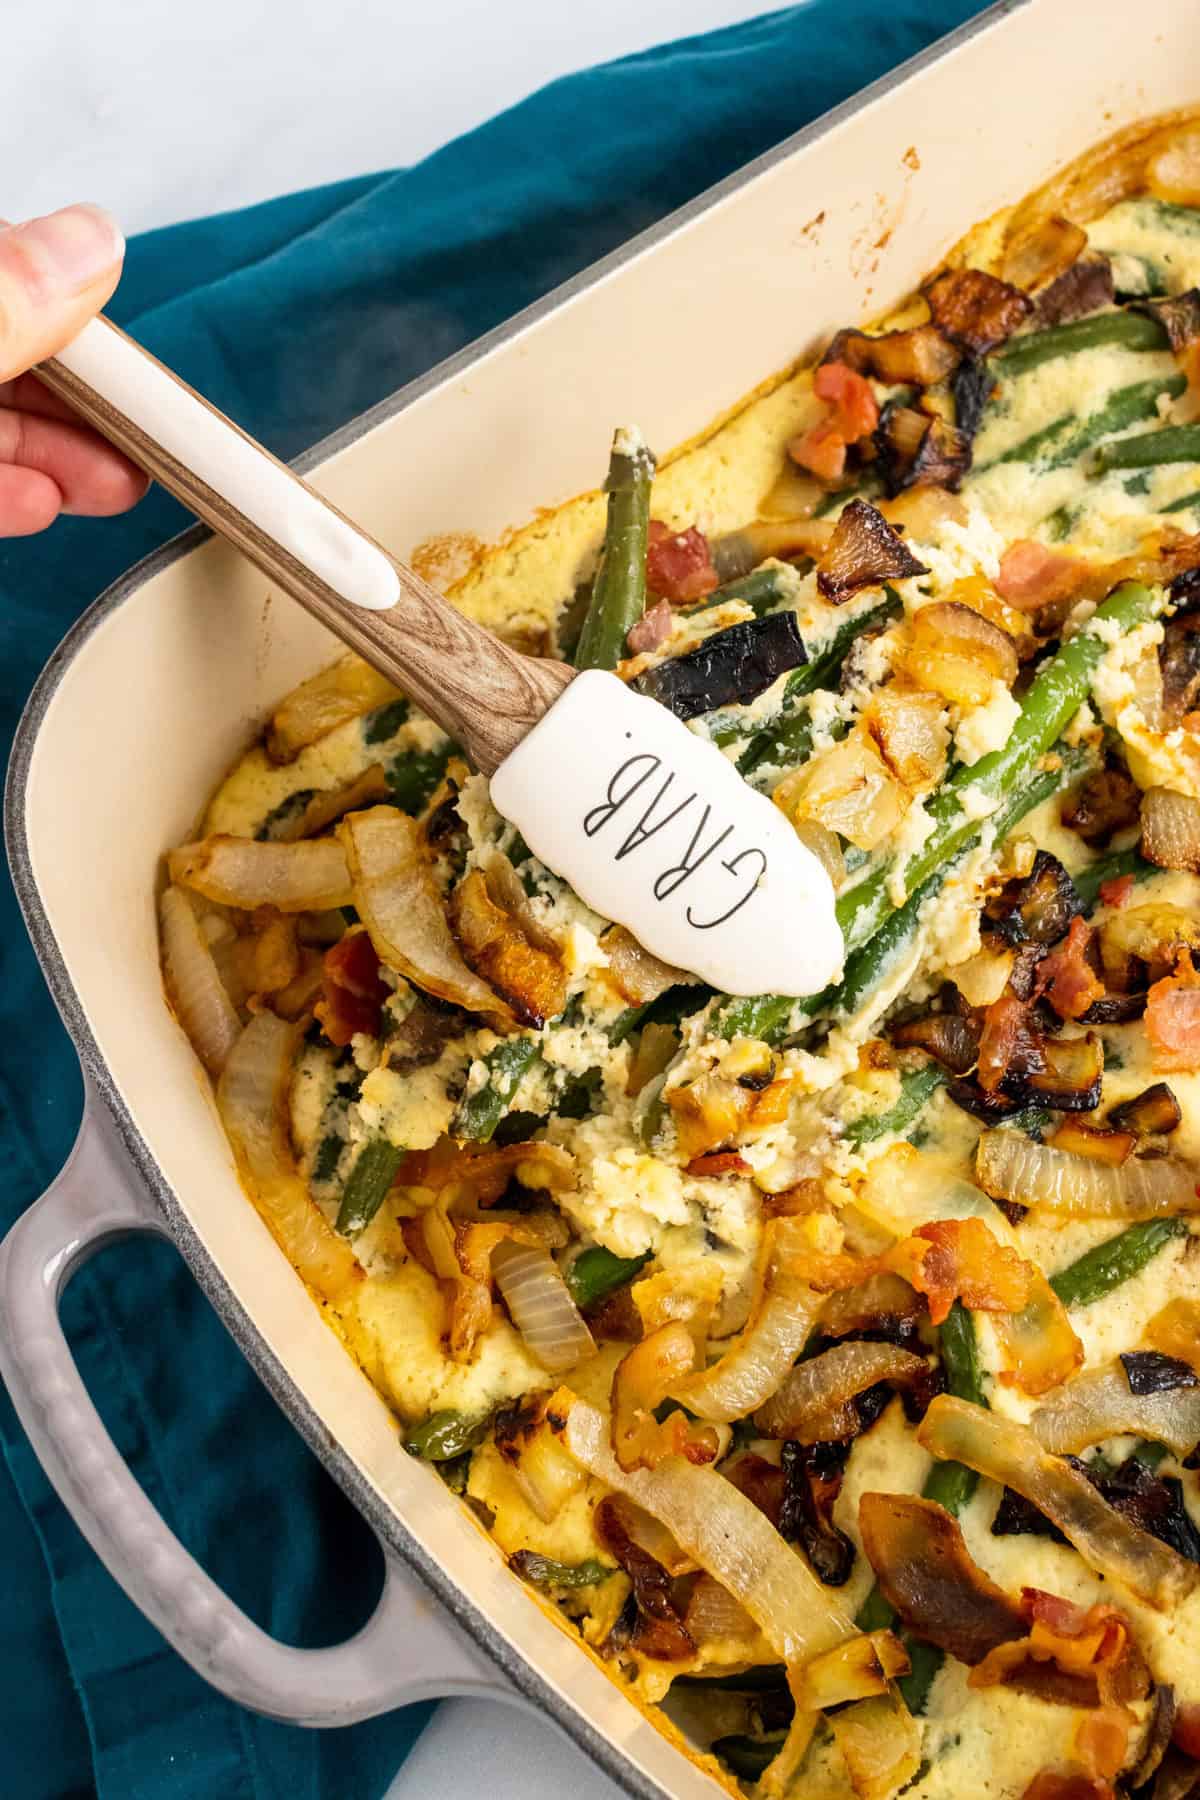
x,y
212,658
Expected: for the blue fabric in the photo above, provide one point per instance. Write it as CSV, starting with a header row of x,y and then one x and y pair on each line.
x,y
293,316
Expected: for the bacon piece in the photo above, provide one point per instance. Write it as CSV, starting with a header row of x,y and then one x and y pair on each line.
x,y
679,565
719,1162
821,450
652,629
959,1259
975,309
1032,576
1066,978
1185,1734
856,412
658,1630
1116,891
1173,1017
1092,1649
1009,1045
354,991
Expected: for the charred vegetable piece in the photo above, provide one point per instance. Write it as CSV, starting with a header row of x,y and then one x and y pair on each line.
x,y
1128,330
951,1039
919,449
481,1112
864,551
1098,1271
973,385
545,1572
618,597
921,356
1150,1372
1036,908
1152,1113
975,309
930,1579
444,1435
1179,316
596,1273
367,1184
1083,288
1105,803
657,1629
1071,1078
1179,662
731,667
916,1089
812,1476
1155,1502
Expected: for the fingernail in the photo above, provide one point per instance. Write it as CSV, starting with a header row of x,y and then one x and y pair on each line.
x,y
69,249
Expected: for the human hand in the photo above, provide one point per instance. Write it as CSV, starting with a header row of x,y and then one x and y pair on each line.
x,y
55,274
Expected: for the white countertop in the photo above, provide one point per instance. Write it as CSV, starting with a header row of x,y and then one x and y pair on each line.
x,y
163,112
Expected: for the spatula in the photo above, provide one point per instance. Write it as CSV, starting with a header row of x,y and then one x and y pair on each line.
x,y
648,822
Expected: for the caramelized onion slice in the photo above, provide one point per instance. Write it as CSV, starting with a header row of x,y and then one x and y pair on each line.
x,y
784,1312
1010,1166
344,691
305,877
816,1388
880,1742
848,789
640,976
864,551
541,1307
193,983
727,1536
251,1098
926,1573
398,902
957,653
1100,1404
1171,829
954,1430
1039,256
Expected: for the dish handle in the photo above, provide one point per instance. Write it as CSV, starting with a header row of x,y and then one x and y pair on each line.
x,y
407,1651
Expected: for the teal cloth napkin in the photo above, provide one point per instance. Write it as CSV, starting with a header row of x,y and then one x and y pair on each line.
x,y
294,316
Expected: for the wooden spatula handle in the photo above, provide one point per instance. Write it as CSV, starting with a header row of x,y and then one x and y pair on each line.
x,y
485,694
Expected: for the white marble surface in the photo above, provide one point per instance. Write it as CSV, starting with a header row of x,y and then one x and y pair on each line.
x,y
163,111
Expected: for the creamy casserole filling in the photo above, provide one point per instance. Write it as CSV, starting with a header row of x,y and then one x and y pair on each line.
x,y
830,1367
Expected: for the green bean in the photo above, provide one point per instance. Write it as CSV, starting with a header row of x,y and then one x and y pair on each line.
x,y
444,1435
773,1017
1068,437
950,1485
368,1181
619,591
761,589
480,1112
748,1757
1098,1271
596,1273
1183,504
1089,881
1129,330
916,1090
789,739
1150,449
544,1571
384,722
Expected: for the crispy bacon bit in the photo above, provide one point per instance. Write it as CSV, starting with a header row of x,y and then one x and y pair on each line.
x,y
864,551
1083,288
959,1259
1173,1017
975,309
921,356
1116,891
652,629
1066,978
657,1630
854,415
354,991
719,1162
821,450
1011,1046
679,566
1092,1650
1032,576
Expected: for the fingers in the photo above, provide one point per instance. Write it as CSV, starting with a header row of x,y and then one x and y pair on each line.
x,y
87,475
29,501
55,274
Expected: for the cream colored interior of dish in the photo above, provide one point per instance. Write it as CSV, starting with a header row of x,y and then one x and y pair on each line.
x,y
163,697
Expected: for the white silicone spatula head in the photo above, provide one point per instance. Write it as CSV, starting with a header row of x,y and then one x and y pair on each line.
x,y
649,824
